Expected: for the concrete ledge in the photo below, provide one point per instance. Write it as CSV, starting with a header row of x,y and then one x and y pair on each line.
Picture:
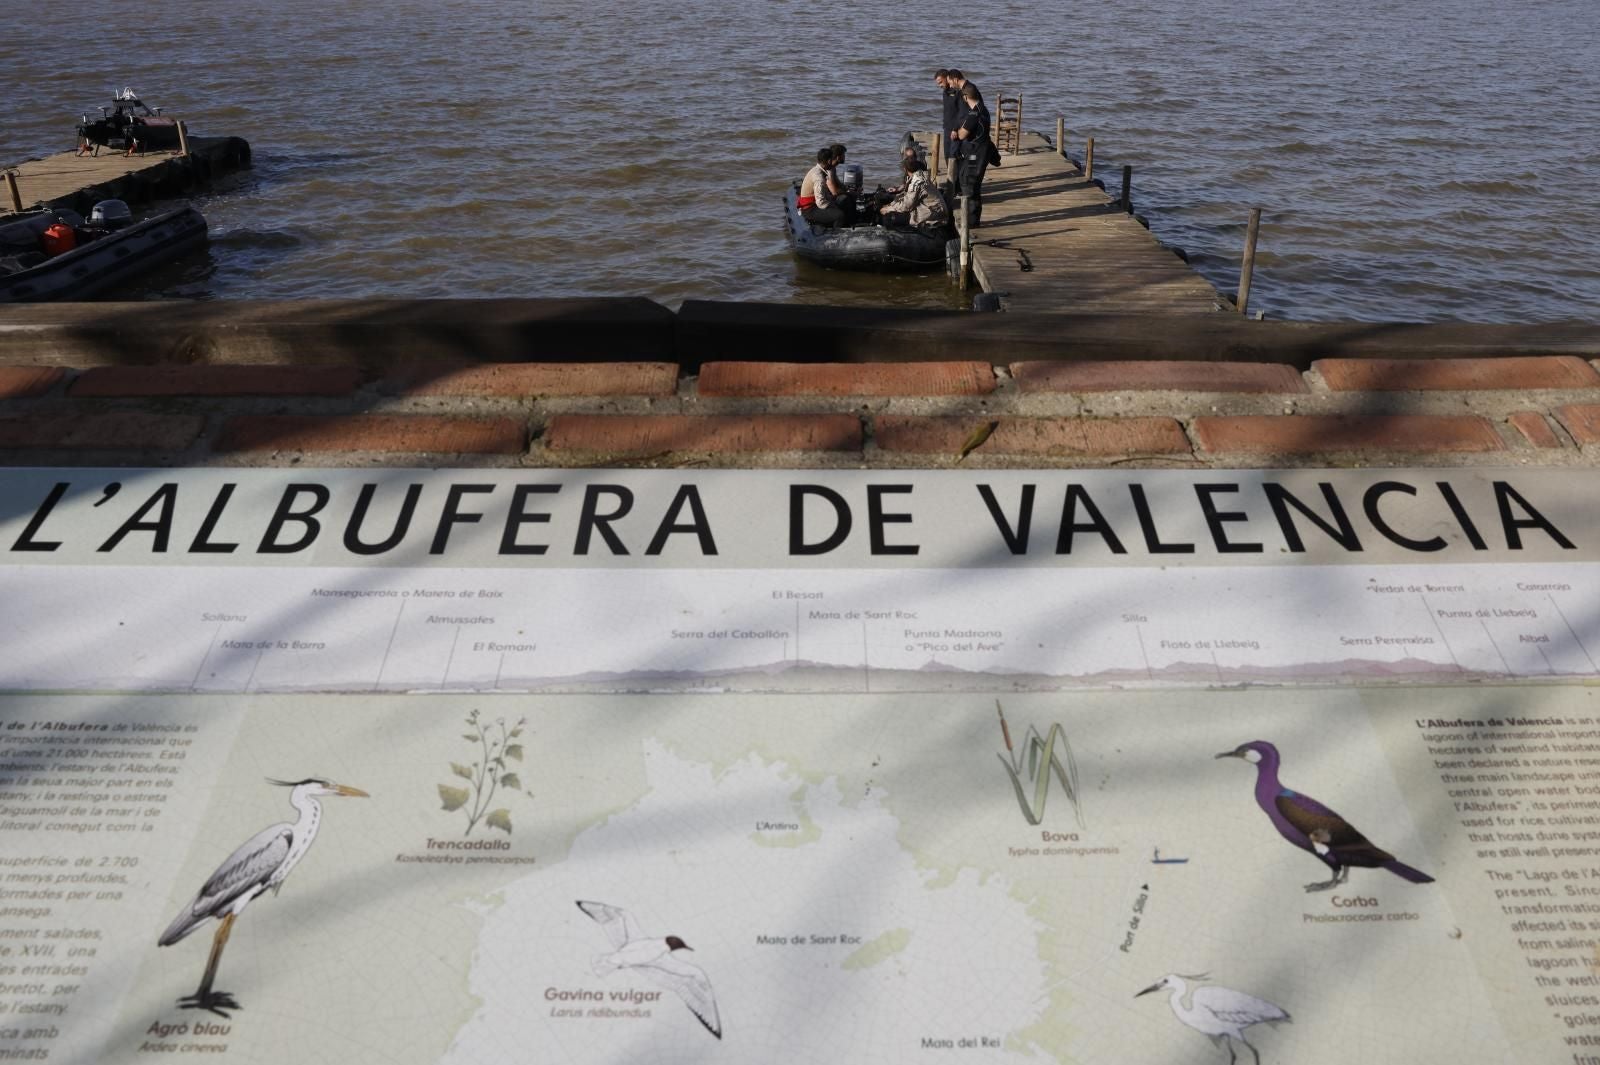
x,y
372,334
391,334
710,330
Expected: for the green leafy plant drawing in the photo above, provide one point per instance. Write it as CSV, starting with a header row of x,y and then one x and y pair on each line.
x,y
496,744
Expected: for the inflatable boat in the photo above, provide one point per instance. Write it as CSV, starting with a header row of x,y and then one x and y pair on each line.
x,y
110,249
881,249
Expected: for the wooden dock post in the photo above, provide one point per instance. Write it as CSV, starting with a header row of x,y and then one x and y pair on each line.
x,y
183,137
16,193
1248,265
1061,137
1088,160
1127,188
966,242
935,153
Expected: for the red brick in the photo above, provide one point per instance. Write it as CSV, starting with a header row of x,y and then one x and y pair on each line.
x,y
1157,376
239,380
846,379
24,382
112,432
1534,429
540,379
1582,421
621,434
1033,436
1303,434
1391,375
374,432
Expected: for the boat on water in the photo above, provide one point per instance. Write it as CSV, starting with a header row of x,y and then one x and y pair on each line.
x,y
866,246
54,254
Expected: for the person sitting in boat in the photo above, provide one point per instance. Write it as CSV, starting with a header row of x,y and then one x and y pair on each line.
x,y
919,203
818,202
909,150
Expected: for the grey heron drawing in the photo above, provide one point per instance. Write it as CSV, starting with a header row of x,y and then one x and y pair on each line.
x,y
654,957
258,866
1219,1013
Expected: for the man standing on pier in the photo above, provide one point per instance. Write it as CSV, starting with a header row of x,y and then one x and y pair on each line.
x,y
974,147
952,106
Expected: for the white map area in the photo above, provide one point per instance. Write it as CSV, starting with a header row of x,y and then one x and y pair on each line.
x,y
686,861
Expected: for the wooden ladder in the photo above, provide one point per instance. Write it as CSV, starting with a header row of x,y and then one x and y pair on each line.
x,y
1008,123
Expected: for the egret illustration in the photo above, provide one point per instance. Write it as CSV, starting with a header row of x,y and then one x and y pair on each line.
x,y
655,957
1219,1013
259,865
1313,827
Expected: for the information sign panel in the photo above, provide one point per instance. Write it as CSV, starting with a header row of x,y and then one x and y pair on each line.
x,y
498,766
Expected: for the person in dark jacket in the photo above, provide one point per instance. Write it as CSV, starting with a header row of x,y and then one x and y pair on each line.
x,y
973,139
952,105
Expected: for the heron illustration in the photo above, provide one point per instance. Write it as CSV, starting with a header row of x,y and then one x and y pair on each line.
x,y
261,864
1218,1013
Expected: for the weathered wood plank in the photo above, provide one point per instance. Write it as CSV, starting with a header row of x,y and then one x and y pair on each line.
x,y
1085,254
67,178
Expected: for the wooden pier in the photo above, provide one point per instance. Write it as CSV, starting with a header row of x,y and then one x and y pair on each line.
x,y
68,179
1054,241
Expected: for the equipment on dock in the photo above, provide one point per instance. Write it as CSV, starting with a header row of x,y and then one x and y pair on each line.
x,y
107,252
127,123
868,247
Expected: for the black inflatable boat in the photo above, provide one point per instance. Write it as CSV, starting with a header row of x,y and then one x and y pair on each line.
x,y
108,253
875,248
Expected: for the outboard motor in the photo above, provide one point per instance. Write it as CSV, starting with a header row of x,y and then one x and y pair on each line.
x,y
111,215
852,177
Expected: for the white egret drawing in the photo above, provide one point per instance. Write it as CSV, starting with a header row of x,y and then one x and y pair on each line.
x,y
656,958
1219,1013
259,865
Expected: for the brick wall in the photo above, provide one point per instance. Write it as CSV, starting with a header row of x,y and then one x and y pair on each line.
x,y
1535,410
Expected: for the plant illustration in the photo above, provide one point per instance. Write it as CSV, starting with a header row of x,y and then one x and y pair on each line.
x,y
496,745
1034,763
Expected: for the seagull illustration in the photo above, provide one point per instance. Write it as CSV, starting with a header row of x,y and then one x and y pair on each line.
x,y
654,958
260,864
1313,827
1219,1013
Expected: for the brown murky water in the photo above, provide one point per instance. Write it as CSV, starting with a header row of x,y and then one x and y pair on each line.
x,y
1414,161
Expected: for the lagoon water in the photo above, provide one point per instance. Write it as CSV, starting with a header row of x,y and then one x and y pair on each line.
x,y
1416,161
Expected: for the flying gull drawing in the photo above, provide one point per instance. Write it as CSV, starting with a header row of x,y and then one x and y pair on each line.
x,y
656,958
1313,827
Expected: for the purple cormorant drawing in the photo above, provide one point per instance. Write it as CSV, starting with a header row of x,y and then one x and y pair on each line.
x,y
1313,827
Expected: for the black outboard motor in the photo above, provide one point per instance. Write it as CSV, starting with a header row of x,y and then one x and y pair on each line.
x,y
110,215
852,177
